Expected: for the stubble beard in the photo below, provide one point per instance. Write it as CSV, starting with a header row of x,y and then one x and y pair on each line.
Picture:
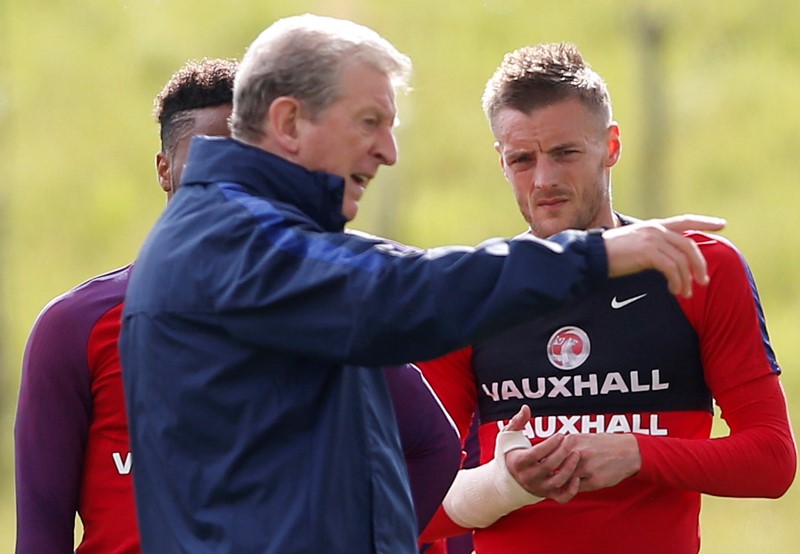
x,y
584,217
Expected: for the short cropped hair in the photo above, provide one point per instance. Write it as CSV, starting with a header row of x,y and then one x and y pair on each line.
x,y
301,57
532,77
198,84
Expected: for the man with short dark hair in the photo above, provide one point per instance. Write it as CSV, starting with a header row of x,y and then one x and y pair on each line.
x,y
624,377
71,434
255,327
197,100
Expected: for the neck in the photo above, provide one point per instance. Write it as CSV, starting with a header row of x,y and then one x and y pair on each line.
x,y
611,220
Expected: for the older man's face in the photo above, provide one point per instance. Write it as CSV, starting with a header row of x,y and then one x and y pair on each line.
x,y
353,136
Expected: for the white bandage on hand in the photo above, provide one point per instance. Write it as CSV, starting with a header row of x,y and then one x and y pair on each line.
x,y
480,496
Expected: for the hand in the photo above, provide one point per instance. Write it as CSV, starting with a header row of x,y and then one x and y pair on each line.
x,y
605,458
658,244
546,469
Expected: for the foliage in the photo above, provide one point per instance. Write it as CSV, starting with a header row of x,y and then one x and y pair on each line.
x,y
77,79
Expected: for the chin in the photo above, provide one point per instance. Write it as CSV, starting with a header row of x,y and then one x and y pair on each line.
x,y
547,229
350,212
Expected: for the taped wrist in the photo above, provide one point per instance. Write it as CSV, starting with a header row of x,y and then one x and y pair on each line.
x,y
480,496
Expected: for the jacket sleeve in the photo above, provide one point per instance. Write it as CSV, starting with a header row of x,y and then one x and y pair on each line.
x,y
352,299
50,433
758,457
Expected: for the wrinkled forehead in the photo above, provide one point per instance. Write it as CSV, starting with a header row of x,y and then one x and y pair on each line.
x,y
364,85
564,121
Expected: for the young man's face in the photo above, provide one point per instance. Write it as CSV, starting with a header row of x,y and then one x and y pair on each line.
x,y
353,136
211,121
558,160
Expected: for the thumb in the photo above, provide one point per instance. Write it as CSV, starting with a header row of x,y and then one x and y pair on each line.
x,y
517,423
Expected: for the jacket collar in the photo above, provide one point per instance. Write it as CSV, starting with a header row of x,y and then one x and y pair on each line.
x,y
317,194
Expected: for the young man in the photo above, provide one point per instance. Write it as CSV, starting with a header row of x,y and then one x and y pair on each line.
x,y
254,325
71,434
626,376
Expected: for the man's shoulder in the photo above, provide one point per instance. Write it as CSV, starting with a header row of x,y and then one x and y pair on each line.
x,y
94,296
716,249
383,243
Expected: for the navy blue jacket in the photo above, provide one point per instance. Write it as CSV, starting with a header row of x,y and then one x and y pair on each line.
x,y
252,333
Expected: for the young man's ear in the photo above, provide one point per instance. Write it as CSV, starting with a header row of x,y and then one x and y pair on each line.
x,y
500,159
164,174
283,123
614,145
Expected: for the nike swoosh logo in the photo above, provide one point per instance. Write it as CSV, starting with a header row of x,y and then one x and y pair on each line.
x,y
617,304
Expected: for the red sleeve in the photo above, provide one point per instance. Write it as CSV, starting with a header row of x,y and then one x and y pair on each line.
x,y
441,527
758,458
453,381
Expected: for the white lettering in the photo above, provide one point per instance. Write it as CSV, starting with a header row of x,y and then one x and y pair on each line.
x,y
573,385
528,431
657,384
509,390
493,393
614,382
123,467
542,431
593,426
526,388
559,386
590,384
618,424
637,424
568,424
655,430
635,386
546,426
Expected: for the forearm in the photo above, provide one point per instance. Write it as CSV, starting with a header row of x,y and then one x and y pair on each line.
x,y
481,495
758,458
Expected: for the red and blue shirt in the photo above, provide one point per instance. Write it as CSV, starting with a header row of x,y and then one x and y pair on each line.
x,y
632,358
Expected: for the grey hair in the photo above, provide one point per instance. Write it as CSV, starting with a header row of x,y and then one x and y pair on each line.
x,y
532,77
302,56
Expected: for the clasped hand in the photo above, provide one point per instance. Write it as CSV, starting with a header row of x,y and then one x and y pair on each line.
x,y
563,465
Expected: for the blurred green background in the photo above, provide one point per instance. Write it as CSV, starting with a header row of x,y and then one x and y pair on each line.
x,y
705,93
